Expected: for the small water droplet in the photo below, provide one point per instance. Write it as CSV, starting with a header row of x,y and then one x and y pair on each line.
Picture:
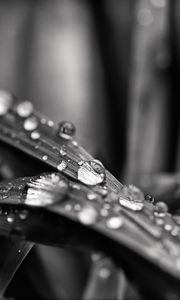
x,y
10,218
68,207
77,207
161,207
104,212
50,123
43,121
35,135
23,214
6,100
87,215
89,174
104,273
62,165
24,109
74,143
62,151
31,124
114,222
66,130
168,227
92,196
45,157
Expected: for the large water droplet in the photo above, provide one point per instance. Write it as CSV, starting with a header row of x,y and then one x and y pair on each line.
x,y
31,124
62,166
66,130
91,173
6,100
132,205
24,109
87,215
114,222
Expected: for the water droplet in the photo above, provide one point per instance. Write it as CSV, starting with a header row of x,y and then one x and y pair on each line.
x,y
45,157
66,130
10,218
24,109
62,151
149,198
104,273
6,100
68,207
50,123
104,212
91,175
77,207
132,205
92,196
43,121
175,231
62,165
35,135
31,124
114,222
74,143
23,214
161,207
87,215
145,17
168,227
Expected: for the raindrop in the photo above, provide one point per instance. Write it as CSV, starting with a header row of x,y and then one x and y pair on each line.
x,y
77,207
62,165
31,124
114,222
91,174
87,215
6,100
66,130
24,109
168,227
35,135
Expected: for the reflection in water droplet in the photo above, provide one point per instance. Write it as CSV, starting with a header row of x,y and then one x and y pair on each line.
x,y
62,165
24,109
66,130
6,100
132,205
45,157
114,222
97,166
35,135
87,215
31,124
90,174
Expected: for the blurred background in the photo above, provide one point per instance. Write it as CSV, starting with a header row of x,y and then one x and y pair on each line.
x,y
112,68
